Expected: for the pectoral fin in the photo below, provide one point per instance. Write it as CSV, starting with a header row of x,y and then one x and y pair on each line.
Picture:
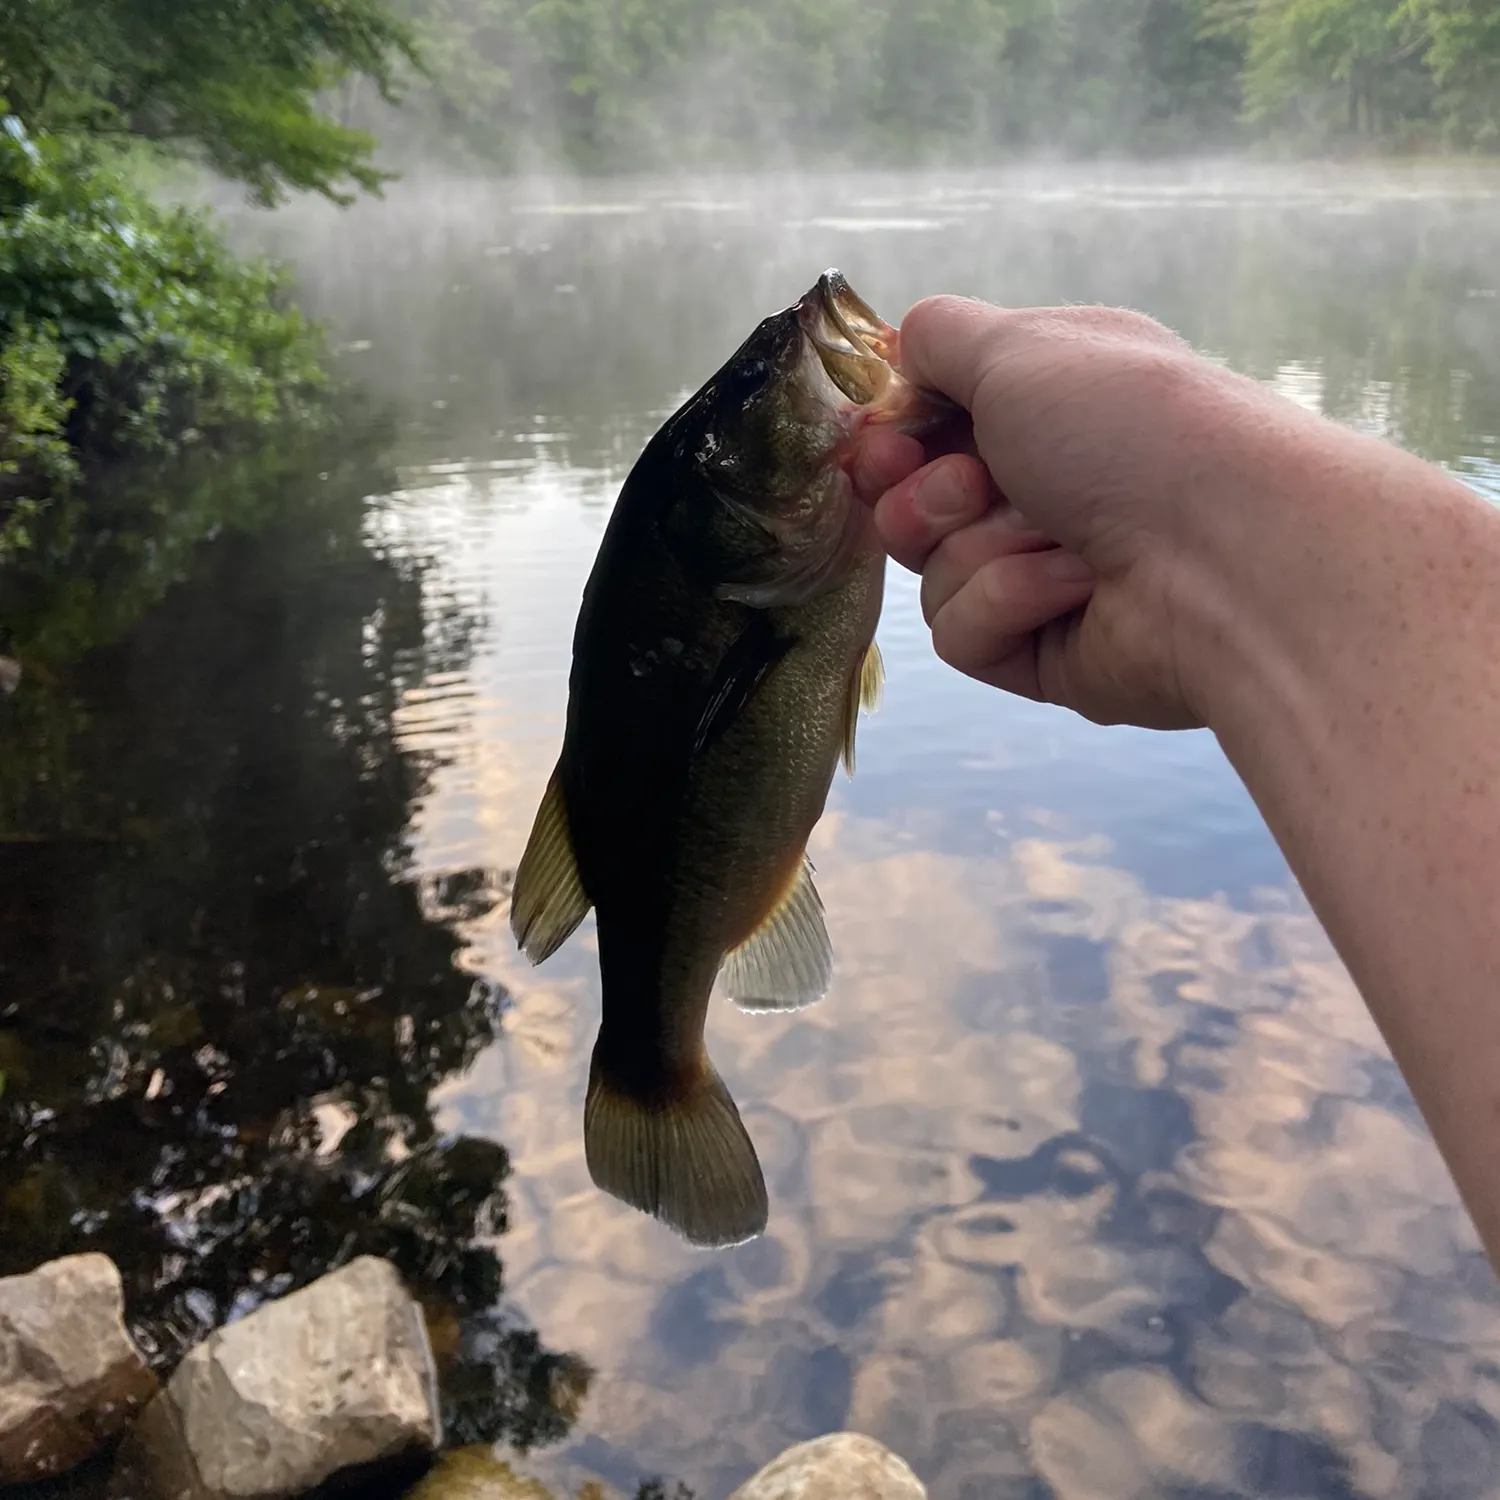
x,y
787,962
864,693
548,900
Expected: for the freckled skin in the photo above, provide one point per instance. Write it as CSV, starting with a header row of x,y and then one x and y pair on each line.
x,y
1328,605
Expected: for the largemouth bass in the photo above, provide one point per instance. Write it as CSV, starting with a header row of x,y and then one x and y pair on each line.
x,y
723,650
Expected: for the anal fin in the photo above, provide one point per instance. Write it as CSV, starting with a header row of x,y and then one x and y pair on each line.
x,y
680,1154
787,962
547,901
864,693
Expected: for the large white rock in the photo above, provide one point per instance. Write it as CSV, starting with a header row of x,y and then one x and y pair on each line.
x,y
70,1376
841,1466
335,1375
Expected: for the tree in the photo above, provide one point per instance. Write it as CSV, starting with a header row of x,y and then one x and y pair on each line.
x,y
234,81
1463,51
1335,67
1193,66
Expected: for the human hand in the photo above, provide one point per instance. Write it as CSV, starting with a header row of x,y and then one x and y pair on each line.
x,y
1082,550
1325,602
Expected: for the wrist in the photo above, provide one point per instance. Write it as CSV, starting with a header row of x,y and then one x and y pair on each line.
x,y
1331,575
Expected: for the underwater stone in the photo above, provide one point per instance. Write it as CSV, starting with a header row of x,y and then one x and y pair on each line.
x,y
475,1473
336,1375
70,1376
841,1466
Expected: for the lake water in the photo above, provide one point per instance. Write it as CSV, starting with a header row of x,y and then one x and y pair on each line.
x,y
1089,1178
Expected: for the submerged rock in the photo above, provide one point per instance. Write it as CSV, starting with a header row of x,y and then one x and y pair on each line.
x,y
841,1466
475,1474
334,1376
70,1376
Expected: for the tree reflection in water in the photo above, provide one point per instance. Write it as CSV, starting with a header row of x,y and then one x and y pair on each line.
x,y
224,1005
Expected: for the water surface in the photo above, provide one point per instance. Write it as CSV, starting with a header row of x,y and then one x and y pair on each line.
x,y
1090,1177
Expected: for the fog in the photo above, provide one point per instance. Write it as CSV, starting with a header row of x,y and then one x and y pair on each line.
x,y
1366,289
1091,1176
596,86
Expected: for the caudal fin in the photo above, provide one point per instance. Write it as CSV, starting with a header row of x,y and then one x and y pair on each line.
x,y
680,1154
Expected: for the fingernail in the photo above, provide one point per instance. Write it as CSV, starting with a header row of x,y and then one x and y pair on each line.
x,y
941,495
1068,567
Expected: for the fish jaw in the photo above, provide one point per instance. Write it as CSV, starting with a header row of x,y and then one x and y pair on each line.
x,y
860,354
850,340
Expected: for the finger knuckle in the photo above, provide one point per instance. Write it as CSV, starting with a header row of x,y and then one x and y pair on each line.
x,y
951,646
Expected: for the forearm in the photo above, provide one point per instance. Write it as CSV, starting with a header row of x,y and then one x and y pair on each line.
x,y
1329,606
1355,686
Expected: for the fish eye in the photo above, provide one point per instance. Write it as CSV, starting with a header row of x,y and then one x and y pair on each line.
x,y
747,378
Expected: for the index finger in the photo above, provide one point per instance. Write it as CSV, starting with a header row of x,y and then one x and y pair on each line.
x,y
883,457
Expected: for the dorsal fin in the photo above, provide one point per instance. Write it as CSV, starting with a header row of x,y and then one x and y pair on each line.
x,y
547,901
864,693
787,962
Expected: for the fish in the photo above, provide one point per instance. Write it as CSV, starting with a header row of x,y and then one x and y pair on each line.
x,y
723,650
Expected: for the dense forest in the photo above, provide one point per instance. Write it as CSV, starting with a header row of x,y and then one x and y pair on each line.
x,y
129,329
296,95
610,84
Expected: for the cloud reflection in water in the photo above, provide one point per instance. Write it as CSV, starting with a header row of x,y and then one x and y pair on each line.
x,y
1076,1188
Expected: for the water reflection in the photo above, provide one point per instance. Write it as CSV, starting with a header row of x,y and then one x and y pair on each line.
x,y
226,997
1159,1243
1090,1177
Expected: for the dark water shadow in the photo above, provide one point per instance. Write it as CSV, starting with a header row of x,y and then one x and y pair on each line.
x,y
225,1000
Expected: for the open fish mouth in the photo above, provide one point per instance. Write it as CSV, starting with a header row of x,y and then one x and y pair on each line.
x,y
857,347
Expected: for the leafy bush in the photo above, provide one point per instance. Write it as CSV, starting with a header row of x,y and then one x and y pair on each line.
x,y
127,328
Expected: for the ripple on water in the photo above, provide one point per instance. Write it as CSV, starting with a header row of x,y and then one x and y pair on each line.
x,y
1086,1181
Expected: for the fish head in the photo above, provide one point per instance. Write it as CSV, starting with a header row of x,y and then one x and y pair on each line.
x,y
763,428
771,432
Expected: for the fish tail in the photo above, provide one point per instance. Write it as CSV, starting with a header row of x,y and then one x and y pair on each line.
x,y
678,1152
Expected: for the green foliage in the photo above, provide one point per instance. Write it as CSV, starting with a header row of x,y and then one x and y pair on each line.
x,y
33,411
1335,67
126,329
235,83
621,84
612,84
1463,52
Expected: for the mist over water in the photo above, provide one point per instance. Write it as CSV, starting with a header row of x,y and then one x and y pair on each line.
x,y
1090,1177
1364,289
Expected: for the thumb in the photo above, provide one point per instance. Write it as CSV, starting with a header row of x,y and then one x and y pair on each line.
x,y
948,343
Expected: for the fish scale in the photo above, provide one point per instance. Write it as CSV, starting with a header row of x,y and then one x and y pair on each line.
x,y
723,650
